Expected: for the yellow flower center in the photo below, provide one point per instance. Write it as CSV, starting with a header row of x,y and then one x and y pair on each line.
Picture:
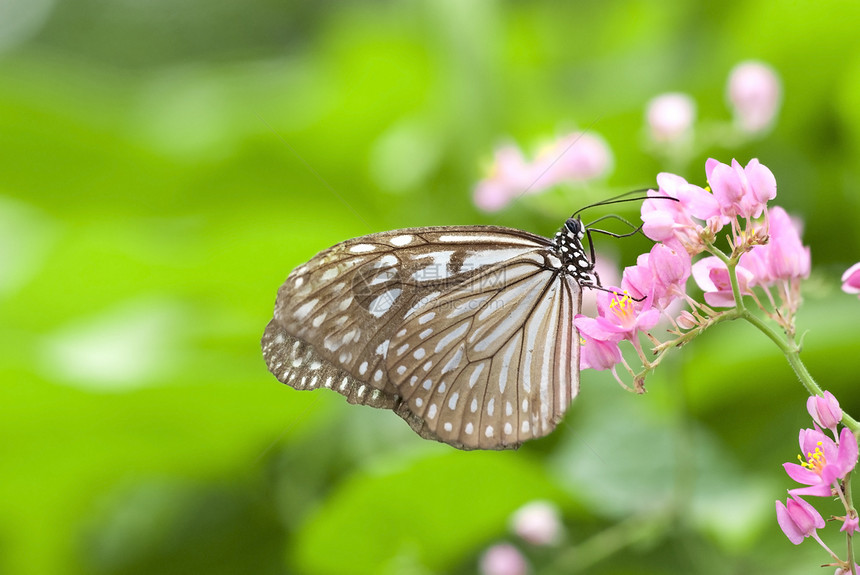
x,y
623,307
814,461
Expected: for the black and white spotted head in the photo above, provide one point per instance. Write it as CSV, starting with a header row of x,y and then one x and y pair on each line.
x,y
575,260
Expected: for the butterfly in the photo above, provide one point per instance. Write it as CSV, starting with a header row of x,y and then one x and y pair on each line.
x,y
466,332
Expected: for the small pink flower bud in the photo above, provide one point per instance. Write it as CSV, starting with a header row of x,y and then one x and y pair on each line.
x,y
741,191
686,320
670,117
538,523
851,280
671,268
754,94
851,525
787,256
503,559
797,519
824,411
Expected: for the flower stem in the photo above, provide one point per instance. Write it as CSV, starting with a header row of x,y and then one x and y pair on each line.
x,y
849,512
792,353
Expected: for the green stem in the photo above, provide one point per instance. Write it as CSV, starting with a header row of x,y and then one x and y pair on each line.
x,y
792,353
849,512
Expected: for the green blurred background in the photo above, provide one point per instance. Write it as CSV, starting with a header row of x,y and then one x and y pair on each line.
x,y
164,165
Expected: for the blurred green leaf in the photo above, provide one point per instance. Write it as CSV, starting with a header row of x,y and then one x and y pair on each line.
x,y
435,508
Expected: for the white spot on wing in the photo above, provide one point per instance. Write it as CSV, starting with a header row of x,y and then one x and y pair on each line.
x,y
383,302
473,379
362,248
436,270
388,260
472,238
329,274
452,401
400,241
489,257
303,311
382,348
454,362
451,336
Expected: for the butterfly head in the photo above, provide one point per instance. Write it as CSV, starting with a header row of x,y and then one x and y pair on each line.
x,y
568,246
574,229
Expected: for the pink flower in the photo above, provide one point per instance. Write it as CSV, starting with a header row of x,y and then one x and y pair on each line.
x,y
670,117
683,220
538,523
659,275
619,314
798,519
825,463
712,276
741,191
639,280
783,257
754,93
503,559
851,279
787,257
671,268
510,175
851,525
577,156
824,411
598,349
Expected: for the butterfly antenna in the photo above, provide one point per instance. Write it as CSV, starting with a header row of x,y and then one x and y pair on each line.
x,y
634,228
623,198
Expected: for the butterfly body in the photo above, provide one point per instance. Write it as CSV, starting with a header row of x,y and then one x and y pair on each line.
x,y
466,332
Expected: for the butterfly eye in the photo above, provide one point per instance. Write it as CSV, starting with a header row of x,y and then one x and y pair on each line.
x,y
574,226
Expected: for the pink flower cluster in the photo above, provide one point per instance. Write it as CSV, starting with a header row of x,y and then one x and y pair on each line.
x,y
578,156
646,290
824,464
685,219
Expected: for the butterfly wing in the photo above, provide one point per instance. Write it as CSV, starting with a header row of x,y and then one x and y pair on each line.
x,y
493,362
341,319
